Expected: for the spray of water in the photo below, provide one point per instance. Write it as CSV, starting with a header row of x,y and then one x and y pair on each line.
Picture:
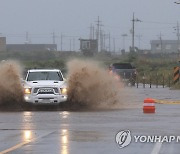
x,y
11,91
91,86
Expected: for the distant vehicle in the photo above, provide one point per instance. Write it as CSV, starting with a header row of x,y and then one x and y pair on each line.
x,y
125,71
45,86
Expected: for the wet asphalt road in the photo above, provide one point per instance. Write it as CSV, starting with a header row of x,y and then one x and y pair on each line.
x,y
90,132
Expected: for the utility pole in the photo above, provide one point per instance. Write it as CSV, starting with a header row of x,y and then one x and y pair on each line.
x,y
91,32
101,40
160,38
73,44
139,38
178,38
178,32
133,33
123,36
114,45
98,32
54,38
133,30
27,38
178,35
61,42
109,42
104,42
70,44
178,2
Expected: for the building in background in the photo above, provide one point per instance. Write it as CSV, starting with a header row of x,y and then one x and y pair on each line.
x,y
26,47
88,46
31,47
165,46
2,44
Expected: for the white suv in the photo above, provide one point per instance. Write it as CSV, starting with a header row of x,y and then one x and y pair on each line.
x,y
45,86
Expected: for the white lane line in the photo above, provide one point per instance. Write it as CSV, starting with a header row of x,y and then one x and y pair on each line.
x,y
157,148
22,144
15,147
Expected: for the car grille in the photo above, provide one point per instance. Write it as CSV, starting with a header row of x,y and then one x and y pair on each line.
x,y
45,90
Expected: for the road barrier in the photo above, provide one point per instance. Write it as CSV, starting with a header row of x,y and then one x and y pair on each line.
x,y
176,75
149,105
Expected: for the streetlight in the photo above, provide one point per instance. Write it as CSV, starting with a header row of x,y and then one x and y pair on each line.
x,y
177,2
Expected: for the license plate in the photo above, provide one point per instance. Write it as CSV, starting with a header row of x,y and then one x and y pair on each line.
x,y
46,101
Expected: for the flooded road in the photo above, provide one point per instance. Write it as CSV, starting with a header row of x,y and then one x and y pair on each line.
x,y
90,132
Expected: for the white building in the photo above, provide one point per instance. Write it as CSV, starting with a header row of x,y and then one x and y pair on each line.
x,y
165,46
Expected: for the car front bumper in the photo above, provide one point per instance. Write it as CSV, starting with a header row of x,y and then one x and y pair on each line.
x,y
45,99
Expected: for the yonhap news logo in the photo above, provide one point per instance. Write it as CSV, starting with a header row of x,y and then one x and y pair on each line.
x,y
124,138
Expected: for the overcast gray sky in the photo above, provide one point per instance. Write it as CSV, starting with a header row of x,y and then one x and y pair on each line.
x,y
73,18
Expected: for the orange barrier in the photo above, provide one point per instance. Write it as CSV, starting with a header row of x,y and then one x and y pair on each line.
x,y
176,74
149,105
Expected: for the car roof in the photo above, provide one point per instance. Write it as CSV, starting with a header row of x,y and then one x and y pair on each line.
x,y
44,70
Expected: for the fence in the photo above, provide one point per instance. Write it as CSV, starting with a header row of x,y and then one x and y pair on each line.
x,y
149,80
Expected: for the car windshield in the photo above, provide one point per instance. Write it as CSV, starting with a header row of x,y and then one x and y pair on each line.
x,y
35,76
122,66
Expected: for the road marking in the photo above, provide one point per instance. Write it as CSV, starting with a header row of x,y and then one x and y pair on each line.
x,y
157,148
166,102
16,147
22,144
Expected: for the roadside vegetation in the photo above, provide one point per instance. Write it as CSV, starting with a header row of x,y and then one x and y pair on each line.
x,y
151,67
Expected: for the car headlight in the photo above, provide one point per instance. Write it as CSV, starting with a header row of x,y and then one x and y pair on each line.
x,y
63,91
27,90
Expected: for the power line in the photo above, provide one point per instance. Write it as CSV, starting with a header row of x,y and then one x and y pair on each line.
x,y
158,22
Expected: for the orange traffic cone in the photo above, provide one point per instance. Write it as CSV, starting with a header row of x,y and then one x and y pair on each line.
x,y
149,105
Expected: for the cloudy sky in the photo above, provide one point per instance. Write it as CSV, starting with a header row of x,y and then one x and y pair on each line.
x,y
72,18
